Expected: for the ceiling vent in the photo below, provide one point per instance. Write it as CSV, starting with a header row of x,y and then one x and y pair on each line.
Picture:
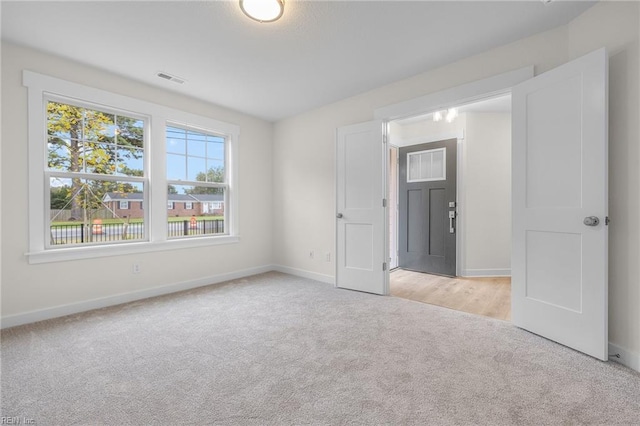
x,y
170,77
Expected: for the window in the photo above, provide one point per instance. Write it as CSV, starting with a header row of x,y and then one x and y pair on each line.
x,y
93,155
196,168
424,166
94,146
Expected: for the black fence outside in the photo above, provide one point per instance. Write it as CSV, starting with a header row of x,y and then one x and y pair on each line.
x,y
105,232
198,227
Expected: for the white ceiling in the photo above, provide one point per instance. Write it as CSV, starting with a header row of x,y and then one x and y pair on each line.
x,y
320,52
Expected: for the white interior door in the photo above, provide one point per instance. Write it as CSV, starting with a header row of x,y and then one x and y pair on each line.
x,y
559,263
360,216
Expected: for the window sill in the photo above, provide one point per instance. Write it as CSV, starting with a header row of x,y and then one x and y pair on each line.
x,y
92,252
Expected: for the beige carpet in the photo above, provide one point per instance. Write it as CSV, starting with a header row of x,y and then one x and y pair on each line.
x,y
280,350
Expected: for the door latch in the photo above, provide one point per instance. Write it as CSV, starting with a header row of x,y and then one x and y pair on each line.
x,y
452,217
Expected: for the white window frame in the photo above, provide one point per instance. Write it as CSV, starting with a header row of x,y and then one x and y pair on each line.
x,y
224,185
188,205
123,203
171,205
40,89
444,164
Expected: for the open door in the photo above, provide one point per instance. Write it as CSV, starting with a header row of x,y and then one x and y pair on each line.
x,y
559,253
360,216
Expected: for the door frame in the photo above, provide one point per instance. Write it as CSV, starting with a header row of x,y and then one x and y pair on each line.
x,y
498,85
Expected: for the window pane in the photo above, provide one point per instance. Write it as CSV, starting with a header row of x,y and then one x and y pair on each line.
x,y
215,150
426,165
176,167
197,169
197,211
99,157
86,140
97,126
176,140
59,154
86,211
437,165
197,148
130,131
130,162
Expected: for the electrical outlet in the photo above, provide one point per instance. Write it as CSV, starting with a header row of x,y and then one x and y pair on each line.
x,y
327,257
136,268
312,254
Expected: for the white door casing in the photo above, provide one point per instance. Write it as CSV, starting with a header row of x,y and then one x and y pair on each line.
x,y
559,177
361,231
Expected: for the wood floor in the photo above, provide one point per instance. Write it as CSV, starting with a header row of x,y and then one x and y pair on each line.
x,y
490,297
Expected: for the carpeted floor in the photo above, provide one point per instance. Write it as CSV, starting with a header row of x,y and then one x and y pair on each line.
x,y
276,349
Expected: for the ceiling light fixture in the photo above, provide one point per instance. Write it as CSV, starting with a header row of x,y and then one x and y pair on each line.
x,y
263,10
452,113
448,114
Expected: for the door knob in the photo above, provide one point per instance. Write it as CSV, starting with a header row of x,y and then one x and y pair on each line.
x,y
591,221
339,215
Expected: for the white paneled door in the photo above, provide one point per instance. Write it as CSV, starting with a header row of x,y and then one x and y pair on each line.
x,y
360,215
559,253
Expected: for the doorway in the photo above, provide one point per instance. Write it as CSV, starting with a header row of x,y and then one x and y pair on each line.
x,y
427,202
455,251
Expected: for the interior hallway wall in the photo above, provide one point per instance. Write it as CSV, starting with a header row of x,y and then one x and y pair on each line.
x,y
487,177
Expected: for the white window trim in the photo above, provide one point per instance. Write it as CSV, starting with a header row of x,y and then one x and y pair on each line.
x,y
188,205
444,165
123,203
40,87
171,205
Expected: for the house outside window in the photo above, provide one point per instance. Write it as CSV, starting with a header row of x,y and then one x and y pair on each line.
x,y
96,163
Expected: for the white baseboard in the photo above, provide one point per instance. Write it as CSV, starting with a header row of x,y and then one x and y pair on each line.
x,y
74,308
486,272
627,358
305,274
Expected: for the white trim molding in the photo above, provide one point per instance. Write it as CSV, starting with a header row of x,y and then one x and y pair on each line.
x,y
467,93
627,358
486,272
305,274
103,302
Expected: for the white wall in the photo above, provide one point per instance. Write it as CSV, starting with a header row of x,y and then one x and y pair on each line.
x,y
27,288
304,189
487,177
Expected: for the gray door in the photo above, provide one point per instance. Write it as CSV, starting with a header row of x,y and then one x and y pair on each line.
x,y
426,238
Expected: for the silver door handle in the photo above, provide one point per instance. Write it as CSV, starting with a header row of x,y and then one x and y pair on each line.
x,y
452,216
339,215
591,221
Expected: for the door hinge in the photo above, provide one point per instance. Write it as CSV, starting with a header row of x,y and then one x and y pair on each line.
x,y
384,266
606,220
384,202
384,138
